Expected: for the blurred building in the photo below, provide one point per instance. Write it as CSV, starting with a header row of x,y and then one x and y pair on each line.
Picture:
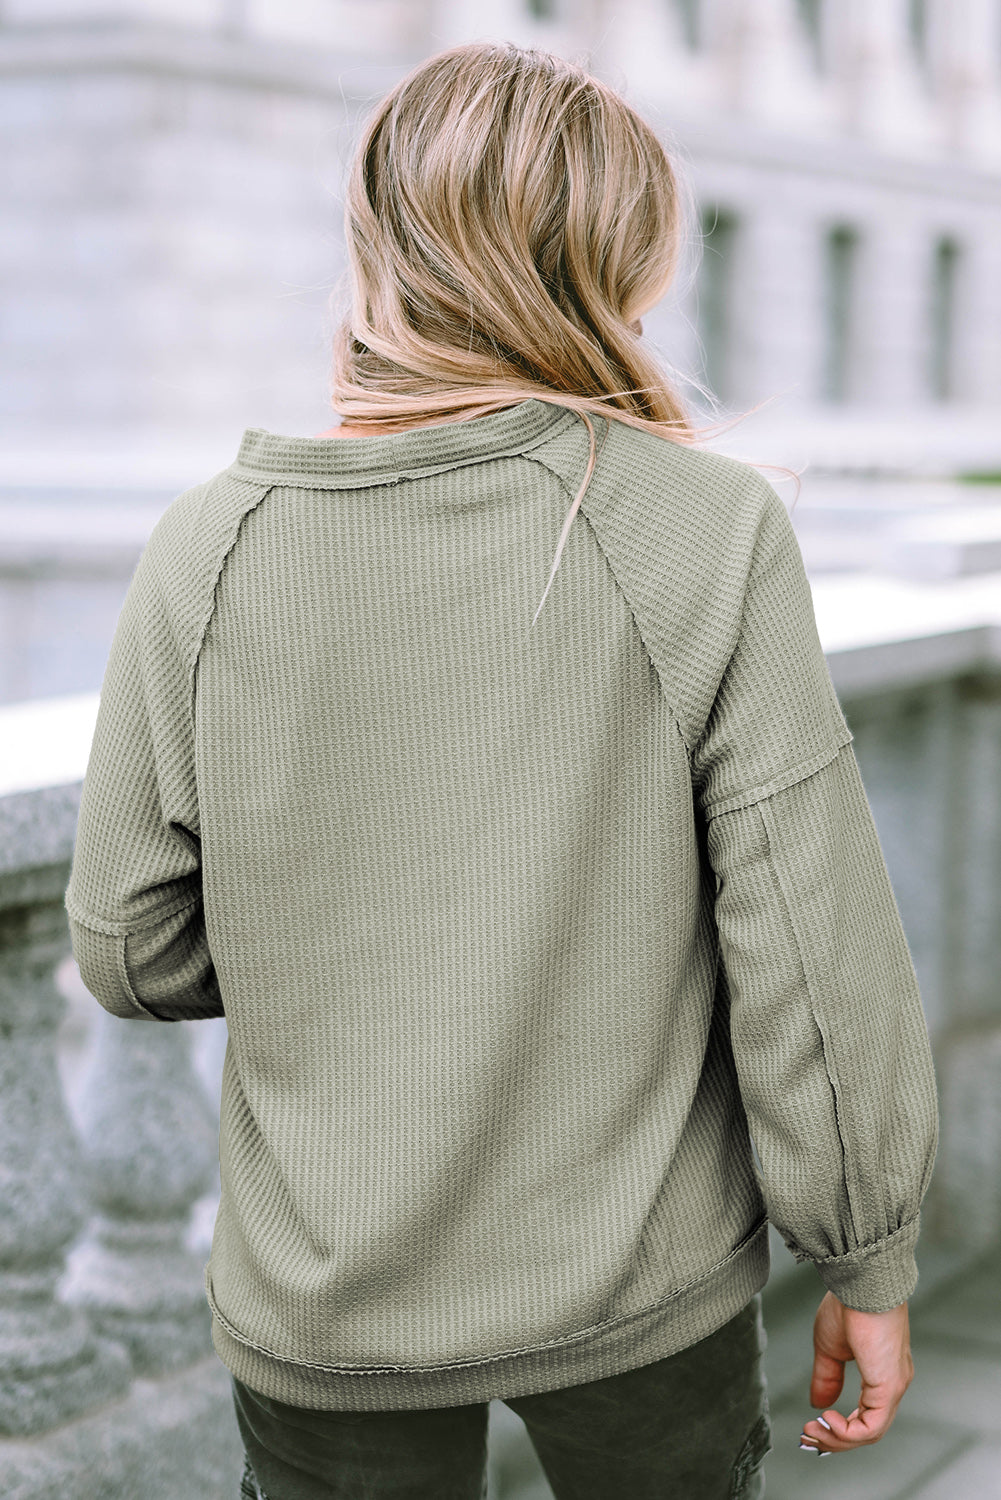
x,y
172,172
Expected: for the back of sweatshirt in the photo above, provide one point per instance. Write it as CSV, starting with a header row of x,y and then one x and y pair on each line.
x,y
522,933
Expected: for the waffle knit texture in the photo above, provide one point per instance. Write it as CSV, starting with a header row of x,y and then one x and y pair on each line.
x,y
522,934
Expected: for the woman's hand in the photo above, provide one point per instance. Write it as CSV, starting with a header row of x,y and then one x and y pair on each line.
x,y
880,1344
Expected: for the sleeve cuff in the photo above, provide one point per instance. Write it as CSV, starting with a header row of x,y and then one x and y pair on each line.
x,y
100,957
875,1278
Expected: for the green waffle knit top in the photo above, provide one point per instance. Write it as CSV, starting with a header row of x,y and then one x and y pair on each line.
x,y
522,934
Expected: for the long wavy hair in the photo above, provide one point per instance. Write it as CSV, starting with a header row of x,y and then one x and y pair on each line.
x,y
508,217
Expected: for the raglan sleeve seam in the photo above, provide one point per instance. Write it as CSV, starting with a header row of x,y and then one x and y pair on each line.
x,y
669,698
263,491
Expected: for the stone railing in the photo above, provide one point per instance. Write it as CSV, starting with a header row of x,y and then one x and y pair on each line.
x,y
109,1386
108,1383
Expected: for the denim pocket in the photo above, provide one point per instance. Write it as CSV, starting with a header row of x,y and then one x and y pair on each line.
x,y
749,1460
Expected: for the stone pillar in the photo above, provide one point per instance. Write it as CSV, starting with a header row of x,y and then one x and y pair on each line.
x,y
766,67
151,1146
964,1201
877,75
905,744
964,52
978,316
642,50
778,349
928,757
974,960
966,1205
891,328
768,289
52,1368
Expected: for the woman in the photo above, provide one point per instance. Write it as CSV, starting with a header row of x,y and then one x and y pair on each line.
x,y
524,920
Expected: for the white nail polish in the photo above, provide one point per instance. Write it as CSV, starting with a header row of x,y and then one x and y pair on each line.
x,y
823,1423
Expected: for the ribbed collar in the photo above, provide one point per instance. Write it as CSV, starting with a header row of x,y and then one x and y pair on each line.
x,y
353,463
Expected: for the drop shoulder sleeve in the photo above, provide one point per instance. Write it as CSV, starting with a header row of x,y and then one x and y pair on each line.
x,y
775,715
829,1036
828,1031
134,898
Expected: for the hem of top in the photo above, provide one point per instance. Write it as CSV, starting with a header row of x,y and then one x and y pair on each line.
x,y
784,780
363,479
683,1318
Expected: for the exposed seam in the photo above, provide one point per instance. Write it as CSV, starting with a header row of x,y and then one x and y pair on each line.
x,y
265,491
125,929
461,1364
123,974
852,1186
625,598
785,779
365,480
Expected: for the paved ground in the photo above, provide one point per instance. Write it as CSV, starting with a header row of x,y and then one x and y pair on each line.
x,y
946,1441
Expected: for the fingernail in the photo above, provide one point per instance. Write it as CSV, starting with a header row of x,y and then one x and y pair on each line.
x,y
826,1453
823,1423
807,1448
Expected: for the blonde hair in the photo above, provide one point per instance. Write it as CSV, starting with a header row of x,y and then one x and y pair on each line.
x,y
507,218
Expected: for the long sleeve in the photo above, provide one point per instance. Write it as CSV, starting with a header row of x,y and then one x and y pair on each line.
x,y
134,898
828,1032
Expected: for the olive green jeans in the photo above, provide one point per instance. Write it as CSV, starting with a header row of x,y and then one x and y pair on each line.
x,y
693,1426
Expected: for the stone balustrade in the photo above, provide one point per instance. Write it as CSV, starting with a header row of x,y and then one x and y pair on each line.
x,y
108,1386
108,1383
